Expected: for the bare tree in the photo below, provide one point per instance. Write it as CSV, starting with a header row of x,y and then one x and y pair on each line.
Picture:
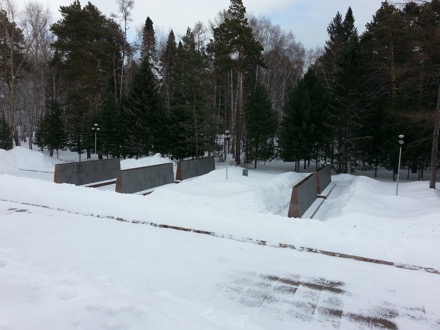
x,y
125,7
14,56
35,25
12,60
201,36
285,60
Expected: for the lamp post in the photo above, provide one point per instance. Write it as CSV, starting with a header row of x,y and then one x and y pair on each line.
x,y
401,142
227,137
95,129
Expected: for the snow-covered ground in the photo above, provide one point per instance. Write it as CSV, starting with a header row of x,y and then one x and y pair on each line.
x,y
66,262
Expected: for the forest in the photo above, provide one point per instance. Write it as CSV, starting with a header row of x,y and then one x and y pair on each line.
x,y
240,87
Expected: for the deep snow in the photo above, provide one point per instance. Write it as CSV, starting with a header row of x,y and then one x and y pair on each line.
x,y
66,263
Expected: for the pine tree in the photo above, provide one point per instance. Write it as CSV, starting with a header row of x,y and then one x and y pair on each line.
x,y
190,110
235,48
297,129
144,116
260,125
148,47
88,47
112,128
400,51
319,114
345,94
304,130
56,137
340,68
117,50
168,59
386,44
333,46
50,130
40,133
5,135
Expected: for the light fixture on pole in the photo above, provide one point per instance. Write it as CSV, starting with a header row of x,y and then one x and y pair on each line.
x,y
227,137
95,129
401,142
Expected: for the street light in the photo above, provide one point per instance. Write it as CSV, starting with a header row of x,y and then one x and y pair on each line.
x,y
227,137
95,129
401,142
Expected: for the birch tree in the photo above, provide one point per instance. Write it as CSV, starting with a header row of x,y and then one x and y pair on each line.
x,y
12,60
35,22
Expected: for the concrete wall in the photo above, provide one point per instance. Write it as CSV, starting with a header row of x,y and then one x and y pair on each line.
x,y
323,178
194,167
87,172
303,196
143,178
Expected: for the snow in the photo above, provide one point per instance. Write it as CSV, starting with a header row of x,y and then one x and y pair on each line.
x,y
66,262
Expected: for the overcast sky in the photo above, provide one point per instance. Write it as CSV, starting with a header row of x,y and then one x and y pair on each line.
x,y
307,19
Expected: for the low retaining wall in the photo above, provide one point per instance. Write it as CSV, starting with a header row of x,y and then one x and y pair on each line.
x,y
303,196
80,173
143,178
194,167
323,178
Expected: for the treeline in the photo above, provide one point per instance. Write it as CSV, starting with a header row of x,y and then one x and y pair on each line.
x,y
242,74
177,97
366,90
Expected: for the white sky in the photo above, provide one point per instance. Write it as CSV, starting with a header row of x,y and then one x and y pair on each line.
x,y
308,20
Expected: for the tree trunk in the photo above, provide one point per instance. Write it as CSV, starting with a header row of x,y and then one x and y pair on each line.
x,y
239,119
393,74
434,149
256,156
196,129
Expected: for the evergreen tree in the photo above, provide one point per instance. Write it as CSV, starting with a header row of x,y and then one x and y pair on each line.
x,y
333,46
319,115
144,115
345,93
117,50
40,133
235,48
421,82
386,45
88,52
400,49
5,135
189,114
148,47
297,129
56,138
383,51
50,130
112,128
304,130
340,68
168,59
260,125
